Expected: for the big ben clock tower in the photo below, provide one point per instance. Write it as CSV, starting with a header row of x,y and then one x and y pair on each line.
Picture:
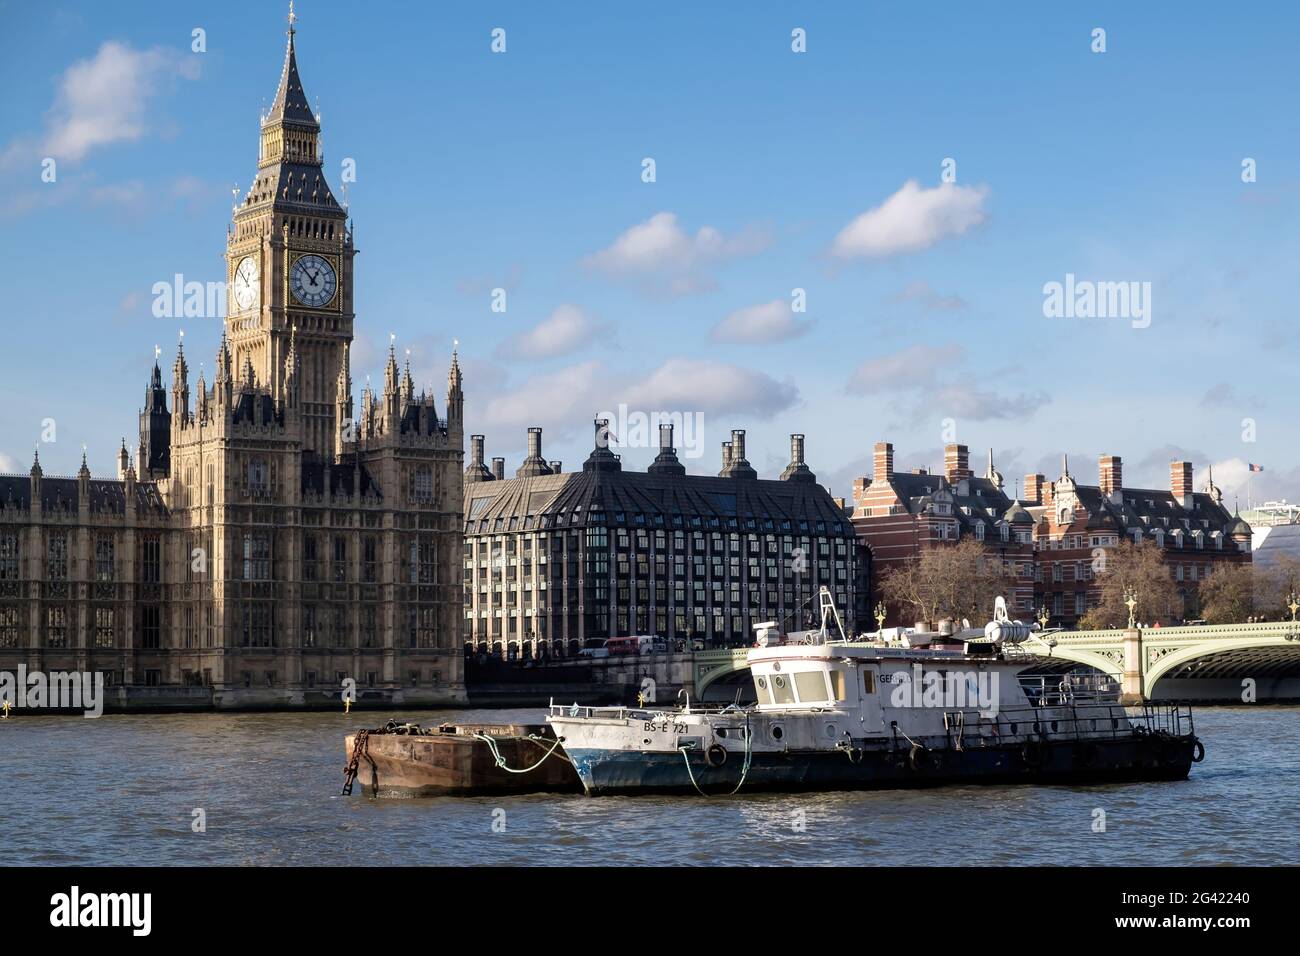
x,y
289,259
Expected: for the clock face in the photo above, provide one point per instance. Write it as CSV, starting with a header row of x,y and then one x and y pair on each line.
x,y
246,283
312,281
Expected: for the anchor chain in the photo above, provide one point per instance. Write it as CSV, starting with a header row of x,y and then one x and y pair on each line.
x,y
360,748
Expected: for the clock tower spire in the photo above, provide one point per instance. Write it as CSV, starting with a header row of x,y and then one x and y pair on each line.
x,y
289,260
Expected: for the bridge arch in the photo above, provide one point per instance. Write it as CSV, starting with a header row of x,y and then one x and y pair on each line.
x,y
1264,656
1078,655
713,666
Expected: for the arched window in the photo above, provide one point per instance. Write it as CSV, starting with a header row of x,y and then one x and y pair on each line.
x,y
422,483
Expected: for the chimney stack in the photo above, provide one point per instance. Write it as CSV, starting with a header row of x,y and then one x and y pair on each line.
x,y
666,462
1180,481
726,457
956,463
557,467
1035,489
534,464
738,465
798,469
476,470
601,458
499,469
883,462
1111,480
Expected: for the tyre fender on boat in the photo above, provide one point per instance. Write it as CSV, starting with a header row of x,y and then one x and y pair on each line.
x,y
919,758
716,755
1198,750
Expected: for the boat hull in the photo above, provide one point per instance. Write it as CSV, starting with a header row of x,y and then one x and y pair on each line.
x,y
1066,762
456,763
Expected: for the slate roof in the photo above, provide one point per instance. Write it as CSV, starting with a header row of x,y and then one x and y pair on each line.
x,y
60,494
740,503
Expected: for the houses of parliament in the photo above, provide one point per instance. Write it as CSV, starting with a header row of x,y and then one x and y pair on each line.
x,y
268,544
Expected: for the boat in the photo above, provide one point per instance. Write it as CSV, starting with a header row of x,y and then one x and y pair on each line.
x,y
404,759
903,708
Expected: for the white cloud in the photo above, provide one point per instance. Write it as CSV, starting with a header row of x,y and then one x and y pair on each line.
x,y
975,404
556,400
102,100
932,382
8,466
770,322
912,219
688,385
565,330
922,293
914,367
668,258
562,400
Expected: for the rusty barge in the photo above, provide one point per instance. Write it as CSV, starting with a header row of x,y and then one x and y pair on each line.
x,y
405,759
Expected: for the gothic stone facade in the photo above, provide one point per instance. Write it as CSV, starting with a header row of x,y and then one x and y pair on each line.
x,y
265,545
555,561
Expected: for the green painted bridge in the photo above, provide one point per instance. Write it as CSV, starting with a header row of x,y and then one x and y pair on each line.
x,y
1207,662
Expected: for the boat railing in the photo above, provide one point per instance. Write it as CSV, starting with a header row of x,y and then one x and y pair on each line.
x,y
1078,722
1064,689
608,712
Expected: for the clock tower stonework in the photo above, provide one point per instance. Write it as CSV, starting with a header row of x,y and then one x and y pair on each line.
x,y
289,257
314,547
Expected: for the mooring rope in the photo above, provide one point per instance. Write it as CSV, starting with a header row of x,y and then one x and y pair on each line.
x,y
744,770
501,761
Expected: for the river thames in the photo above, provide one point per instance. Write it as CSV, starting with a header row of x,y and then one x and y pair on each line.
x,y
123,790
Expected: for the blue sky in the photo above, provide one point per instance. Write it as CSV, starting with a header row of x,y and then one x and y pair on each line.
x,y
775,170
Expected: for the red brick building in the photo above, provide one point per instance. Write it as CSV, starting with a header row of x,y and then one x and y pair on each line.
x,y
1075,524
1055,537
898,514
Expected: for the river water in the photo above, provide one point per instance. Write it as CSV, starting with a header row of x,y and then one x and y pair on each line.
x,y
123,790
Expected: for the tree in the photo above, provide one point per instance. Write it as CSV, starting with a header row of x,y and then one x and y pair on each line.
x,y
1274,586
948,581
1227,596
1140,567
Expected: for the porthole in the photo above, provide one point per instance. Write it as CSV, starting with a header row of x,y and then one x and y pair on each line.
x,y
1053,726
831,731
777,732
762,683
722,732
1014,728
778,681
